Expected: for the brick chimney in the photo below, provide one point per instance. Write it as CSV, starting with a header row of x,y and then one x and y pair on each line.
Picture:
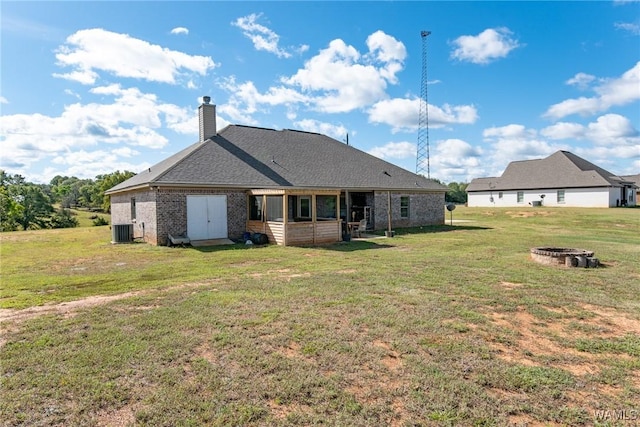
x,y
207,116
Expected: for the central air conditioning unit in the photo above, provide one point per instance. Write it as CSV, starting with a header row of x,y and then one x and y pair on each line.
x,y
122,233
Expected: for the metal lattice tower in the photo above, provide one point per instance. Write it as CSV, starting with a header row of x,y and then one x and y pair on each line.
x,y
422,158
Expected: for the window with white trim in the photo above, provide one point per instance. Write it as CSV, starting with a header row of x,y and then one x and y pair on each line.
x,y
560,196
520,196
304,207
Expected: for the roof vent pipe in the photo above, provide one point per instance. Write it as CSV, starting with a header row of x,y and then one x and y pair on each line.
x,y
207,118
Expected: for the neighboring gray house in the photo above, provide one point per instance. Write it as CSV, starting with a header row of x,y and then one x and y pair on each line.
x,y
562,179
296,187
636,180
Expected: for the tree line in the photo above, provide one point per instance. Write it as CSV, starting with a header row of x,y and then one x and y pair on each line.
x,y
457,192
27,206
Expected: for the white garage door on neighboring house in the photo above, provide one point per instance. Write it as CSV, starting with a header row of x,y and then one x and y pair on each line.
x,y
207,217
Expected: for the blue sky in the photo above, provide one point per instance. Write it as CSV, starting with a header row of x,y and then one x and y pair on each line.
x,y
92,87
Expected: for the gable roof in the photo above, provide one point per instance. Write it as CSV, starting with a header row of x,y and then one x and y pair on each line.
x,y
562,169
251,157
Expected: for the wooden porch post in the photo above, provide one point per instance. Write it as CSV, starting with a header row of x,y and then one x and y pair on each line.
x,y
285,215
348,210
314,217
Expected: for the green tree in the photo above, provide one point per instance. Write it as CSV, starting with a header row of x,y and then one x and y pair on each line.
x,y
67,191
105,182
10,211
36,206
457,192
22,203
63,218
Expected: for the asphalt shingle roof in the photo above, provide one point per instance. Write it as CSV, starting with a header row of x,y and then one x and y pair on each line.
x,y
560,170
632,178
250,157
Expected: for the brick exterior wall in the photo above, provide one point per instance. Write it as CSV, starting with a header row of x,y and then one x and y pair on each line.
x,y
424,209
172,211
164,211
144,224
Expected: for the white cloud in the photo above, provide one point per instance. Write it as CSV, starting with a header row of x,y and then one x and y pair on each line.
x,y
338,132
402,114
131,119
339,79
489,45
395,150
262,37
628,26
236,114
613,129
87,165
85,77
508,131
180,30
456,160
389,51
611,92
386,48
3,100
606,157
514,141
245,99
399,113
608,130
93,50
581,80
564,130
125,152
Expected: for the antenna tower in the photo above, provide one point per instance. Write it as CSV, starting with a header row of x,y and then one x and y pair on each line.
x,y
423,117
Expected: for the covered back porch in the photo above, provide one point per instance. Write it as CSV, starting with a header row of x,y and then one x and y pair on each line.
x,y
294,216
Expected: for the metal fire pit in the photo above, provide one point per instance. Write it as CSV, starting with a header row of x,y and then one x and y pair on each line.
x,y
564,257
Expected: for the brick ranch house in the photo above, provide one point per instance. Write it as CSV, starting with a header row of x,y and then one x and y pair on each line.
x,y
296,187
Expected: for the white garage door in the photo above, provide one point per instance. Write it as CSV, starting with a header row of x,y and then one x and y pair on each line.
x,y
206,217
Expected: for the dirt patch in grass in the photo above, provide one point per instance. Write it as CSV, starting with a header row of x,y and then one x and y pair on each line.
x,y
295,351
527,421
67,309
375,386
529,340
617,323
70,308
527,214
509,285
281,411
391,359
548,342
121,417
284,274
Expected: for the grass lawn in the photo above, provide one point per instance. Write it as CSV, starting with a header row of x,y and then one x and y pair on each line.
x,y
85,217
449,325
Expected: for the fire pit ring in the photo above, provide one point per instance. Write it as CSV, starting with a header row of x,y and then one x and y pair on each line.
x,y
568,257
